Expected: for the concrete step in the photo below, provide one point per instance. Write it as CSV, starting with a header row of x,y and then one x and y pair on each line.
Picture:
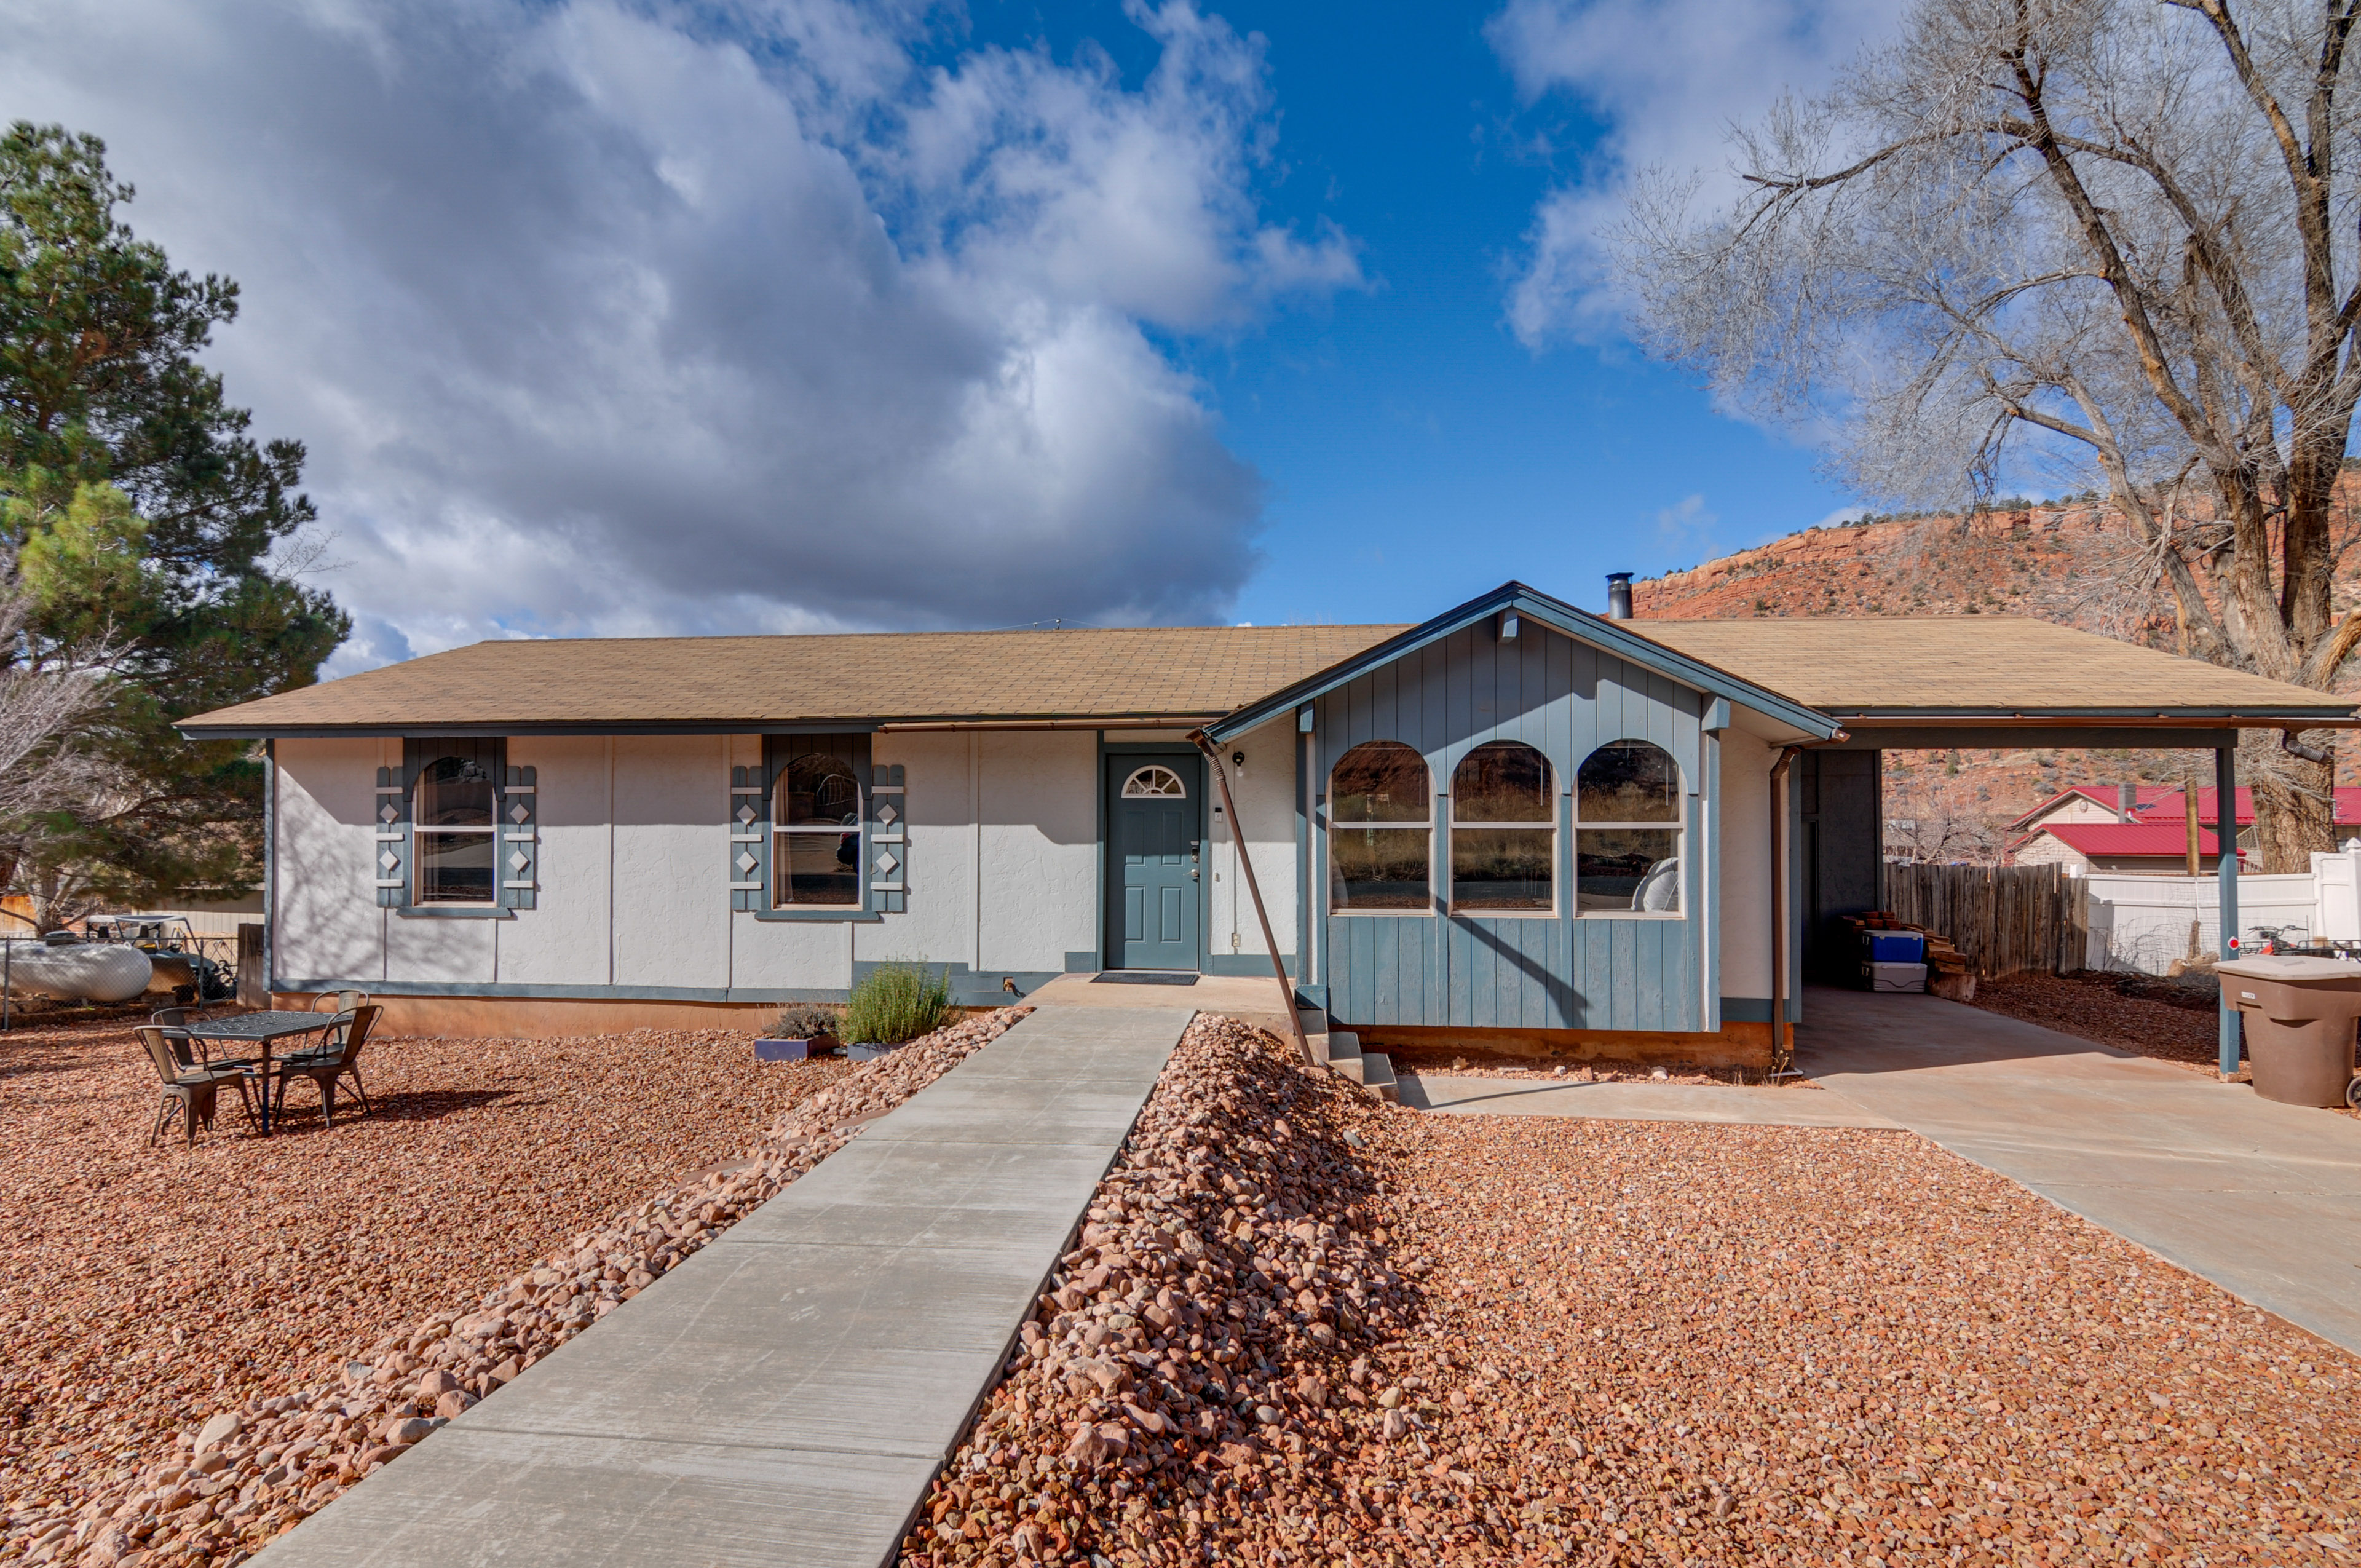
x,y
1344,1045
1378,1075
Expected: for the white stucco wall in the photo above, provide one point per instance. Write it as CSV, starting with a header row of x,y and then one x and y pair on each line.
x,y
1745,899
1037,849
1265,792
323,879
1003,867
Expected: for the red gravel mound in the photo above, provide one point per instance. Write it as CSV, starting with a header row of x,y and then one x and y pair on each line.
x,y
1625,1343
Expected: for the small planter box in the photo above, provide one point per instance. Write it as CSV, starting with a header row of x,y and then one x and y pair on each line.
x,y
864,1052
788,1051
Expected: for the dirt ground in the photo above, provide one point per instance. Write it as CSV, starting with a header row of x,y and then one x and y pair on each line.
x,y
2171,1024
140,1285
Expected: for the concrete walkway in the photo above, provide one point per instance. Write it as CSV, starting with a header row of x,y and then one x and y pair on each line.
x,y
787,1394
2262,1198
1724,1103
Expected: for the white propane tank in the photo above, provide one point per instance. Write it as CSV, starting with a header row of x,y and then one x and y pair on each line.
x,y
78,973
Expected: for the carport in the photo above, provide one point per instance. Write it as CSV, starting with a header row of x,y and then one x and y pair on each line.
x,y
1968,681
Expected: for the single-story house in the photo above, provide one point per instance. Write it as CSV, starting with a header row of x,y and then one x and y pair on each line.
x,y
1516,822
2160,805
2154,848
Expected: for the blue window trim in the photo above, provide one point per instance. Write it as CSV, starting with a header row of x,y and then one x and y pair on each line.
x,y
452,912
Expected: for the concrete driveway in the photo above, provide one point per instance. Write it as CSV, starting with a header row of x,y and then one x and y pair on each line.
x,y
2262,1198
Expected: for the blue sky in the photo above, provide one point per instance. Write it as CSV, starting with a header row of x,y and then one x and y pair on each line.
x,y
621,317
1416,452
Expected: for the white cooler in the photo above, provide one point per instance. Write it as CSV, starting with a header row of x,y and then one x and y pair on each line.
x,y
1894,977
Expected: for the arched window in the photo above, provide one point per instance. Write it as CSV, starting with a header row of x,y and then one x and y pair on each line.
x,y
1503,830
1626,840
455,834
1155,782
816,833
1380,829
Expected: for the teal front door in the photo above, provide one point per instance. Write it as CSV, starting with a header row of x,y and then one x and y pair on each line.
x,y
1154,845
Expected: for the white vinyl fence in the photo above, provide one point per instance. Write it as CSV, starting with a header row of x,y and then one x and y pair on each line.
x,y
2148,923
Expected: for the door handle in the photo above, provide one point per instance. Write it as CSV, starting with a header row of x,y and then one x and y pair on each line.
x,y
1193,874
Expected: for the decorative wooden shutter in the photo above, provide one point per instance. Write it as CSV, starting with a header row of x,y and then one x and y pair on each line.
x,y
518,810
889,840
750,836
392,858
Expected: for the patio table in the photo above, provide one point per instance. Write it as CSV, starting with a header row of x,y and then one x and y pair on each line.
x,y
258,1029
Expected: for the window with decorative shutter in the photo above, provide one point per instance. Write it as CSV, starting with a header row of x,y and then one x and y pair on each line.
x,y
805,831
446,839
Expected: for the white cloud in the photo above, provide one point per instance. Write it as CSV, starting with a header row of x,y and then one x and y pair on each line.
x,y
1684,520
612,317
1667,78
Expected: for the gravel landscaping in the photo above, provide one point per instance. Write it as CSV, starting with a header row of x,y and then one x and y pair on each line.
x,y
204,1345
1305,1327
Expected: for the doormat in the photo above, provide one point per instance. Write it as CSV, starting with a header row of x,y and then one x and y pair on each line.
x,y
1144,976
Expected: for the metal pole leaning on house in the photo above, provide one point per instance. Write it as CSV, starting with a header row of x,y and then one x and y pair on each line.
x,y
1246,864
2225,876
1779,1054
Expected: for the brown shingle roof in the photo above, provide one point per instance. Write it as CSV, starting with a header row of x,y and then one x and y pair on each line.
x,y
1973,664
1926,665
682,682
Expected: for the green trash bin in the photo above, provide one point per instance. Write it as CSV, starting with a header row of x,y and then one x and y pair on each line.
x,y
2299,1014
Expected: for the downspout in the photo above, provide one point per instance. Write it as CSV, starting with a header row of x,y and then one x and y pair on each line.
x,y
270,867
1246,864
1780,1054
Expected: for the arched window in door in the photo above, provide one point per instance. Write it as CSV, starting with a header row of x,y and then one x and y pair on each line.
x,y
1626,838
1380,831
1155,782
1503,831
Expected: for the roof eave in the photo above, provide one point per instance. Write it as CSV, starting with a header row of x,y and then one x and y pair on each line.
x,y
195,729
2248,716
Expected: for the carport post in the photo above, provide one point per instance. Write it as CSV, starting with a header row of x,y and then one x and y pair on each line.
x,y
2225,876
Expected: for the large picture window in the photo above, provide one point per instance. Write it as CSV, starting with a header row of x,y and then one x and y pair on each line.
x,y
1380,830
1503,831
1627,839
455,823
815,802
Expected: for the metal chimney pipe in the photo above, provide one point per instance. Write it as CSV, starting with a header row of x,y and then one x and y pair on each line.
x,y
2128,795
1619,595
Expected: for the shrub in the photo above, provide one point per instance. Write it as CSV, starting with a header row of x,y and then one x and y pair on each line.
x,y
806,1021
894,1002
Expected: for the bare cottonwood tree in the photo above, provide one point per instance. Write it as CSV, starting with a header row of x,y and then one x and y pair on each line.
x,y
44,698
2071,241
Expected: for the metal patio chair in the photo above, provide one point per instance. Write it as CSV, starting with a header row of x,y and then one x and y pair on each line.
x,y
337,1056
193,1089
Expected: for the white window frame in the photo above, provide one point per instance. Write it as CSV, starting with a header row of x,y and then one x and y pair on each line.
x,y
1450,865
1678,827
859,829
1330,829
420,832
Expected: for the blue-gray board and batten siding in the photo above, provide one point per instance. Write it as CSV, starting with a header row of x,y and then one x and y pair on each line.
x,y
1555,971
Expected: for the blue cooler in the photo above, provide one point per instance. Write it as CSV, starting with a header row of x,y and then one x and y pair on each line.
x,y
1895,946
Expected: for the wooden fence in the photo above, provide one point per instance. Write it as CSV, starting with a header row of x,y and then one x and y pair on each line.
x,y
2004,919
